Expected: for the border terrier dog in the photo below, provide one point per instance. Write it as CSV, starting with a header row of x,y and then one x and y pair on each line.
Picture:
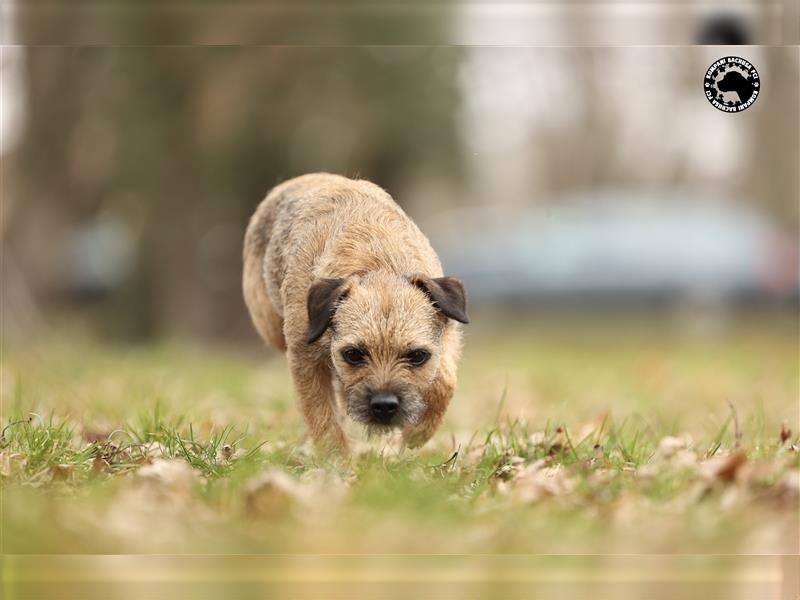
x,y
338,277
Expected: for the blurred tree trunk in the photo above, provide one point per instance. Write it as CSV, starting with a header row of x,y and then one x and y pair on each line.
x,y
179,144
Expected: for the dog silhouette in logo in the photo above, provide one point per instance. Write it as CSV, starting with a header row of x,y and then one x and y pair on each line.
x,y
736,82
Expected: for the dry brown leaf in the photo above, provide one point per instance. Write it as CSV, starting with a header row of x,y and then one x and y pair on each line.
x,y
786,433
99,465
171,476
112,453
537,481
326,488
5,464
97,434
648,471
274,493
537,438
156,504
729,468
790,484
723,468
225,454
685,458
764,471
60,472
733,496
602,476
559,441
553,443
591,428
508,467
668,446
11,463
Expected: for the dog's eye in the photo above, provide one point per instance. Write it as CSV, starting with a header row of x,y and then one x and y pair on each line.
x,y
354,356
417,358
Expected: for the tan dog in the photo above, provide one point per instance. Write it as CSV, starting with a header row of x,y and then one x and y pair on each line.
x,y
337,275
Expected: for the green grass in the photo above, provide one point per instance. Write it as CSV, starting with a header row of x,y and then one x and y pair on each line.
x,y
552,445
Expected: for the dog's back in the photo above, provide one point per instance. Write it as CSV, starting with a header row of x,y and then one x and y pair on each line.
x,y
323,225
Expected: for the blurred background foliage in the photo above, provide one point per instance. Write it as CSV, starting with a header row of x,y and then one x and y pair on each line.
x,y
180,144
134,169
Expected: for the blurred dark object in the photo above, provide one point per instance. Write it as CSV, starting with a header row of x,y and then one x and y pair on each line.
x,y
724,30
99,259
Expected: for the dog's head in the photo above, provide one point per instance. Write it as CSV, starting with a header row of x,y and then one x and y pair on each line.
x,y
385,342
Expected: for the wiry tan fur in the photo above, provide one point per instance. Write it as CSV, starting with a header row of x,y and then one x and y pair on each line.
x,y
327,226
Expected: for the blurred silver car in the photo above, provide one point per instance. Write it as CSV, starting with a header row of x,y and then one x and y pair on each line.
x,y
618,246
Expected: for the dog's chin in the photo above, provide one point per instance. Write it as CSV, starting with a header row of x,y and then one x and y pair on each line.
x,y
377,428
374,427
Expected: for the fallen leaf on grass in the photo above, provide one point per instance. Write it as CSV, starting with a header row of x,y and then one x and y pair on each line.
x,y
765,472
276,493
11,463
602,476
60,472
554,443
508,467
112,453
538,481
325,486
716,474
156,506
168,477
97,434
647,472
559,441
786,433
226,453
685,458
598,458
784,487
668,446
99,465
5,464
537,438
591,429
723,468
273,493
153,450
790,484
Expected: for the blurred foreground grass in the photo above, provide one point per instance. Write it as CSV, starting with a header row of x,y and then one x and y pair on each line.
x,y
564,437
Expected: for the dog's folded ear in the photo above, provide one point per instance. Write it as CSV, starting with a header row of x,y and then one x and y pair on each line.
x,y
322,298
446,293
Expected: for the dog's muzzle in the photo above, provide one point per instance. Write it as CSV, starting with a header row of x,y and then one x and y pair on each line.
x,y
383,407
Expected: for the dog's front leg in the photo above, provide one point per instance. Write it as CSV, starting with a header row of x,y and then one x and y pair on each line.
x,y
315,397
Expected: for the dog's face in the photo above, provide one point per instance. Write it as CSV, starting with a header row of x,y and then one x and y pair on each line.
x,y
385,342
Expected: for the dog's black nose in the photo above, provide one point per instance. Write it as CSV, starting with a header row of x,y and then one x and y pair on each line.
x,y
383,407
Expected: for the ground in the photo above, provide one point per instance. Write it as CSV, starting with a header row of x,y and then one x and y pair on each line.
x,y
567,435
